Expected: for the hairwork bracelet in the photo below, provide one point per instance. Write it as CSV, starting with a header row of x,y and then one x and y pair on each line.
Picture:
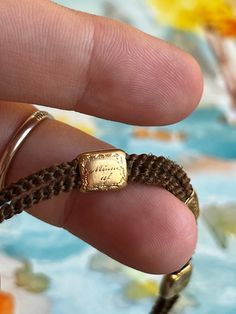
x,y
105,171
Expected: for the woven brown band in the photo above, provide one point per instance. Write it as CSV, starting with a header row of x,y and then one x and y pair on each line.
x,y
163,306
107,170
49,182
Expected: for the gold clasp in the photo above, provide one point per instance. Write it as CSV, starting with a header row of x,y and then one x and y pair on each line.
x,y
193,204
103,170
174,283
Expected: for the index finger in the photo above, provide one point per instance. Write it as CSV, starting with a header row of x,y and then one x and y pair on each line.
x,y
67,59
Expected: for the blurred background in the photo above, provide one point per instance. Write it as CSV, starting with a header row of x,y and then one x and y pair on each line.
x,y
45,270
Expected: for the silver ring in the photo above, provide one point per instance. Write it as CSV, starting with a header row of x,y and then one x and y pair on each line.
x,y
17,140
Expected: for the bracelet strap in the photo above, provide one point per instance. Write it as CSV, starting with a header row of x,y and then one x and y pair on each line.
x,y
163,306
49,182
107,170
160,171
39,186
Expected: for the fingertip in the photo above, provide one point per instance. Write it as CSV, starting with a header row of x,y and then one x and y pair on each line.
x,y
179,85
190,86
179,246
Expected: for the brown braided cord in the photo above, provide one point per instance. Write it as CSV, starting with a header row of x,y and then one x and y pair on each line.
x,y
49,182
163,306
39,186
160,171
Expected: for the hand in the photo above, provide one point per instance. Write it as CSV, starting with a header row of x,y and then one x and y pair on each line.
x,y
66,59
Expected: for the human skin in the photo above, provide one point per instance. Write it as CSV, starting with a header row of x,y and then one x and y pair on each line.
x,y
71,60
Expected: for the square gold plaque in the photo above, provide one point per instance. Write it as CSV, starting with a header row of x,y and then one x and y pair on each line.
x,y
103,170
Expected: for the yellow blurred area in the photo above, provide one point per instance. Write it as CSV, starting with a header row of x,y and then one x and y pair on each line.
x,y
83,126
219,15
137,290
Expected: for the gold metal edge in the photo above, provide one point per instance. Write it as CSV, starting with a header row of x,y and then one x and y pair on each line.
x,y
173,284
193,204
85,160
